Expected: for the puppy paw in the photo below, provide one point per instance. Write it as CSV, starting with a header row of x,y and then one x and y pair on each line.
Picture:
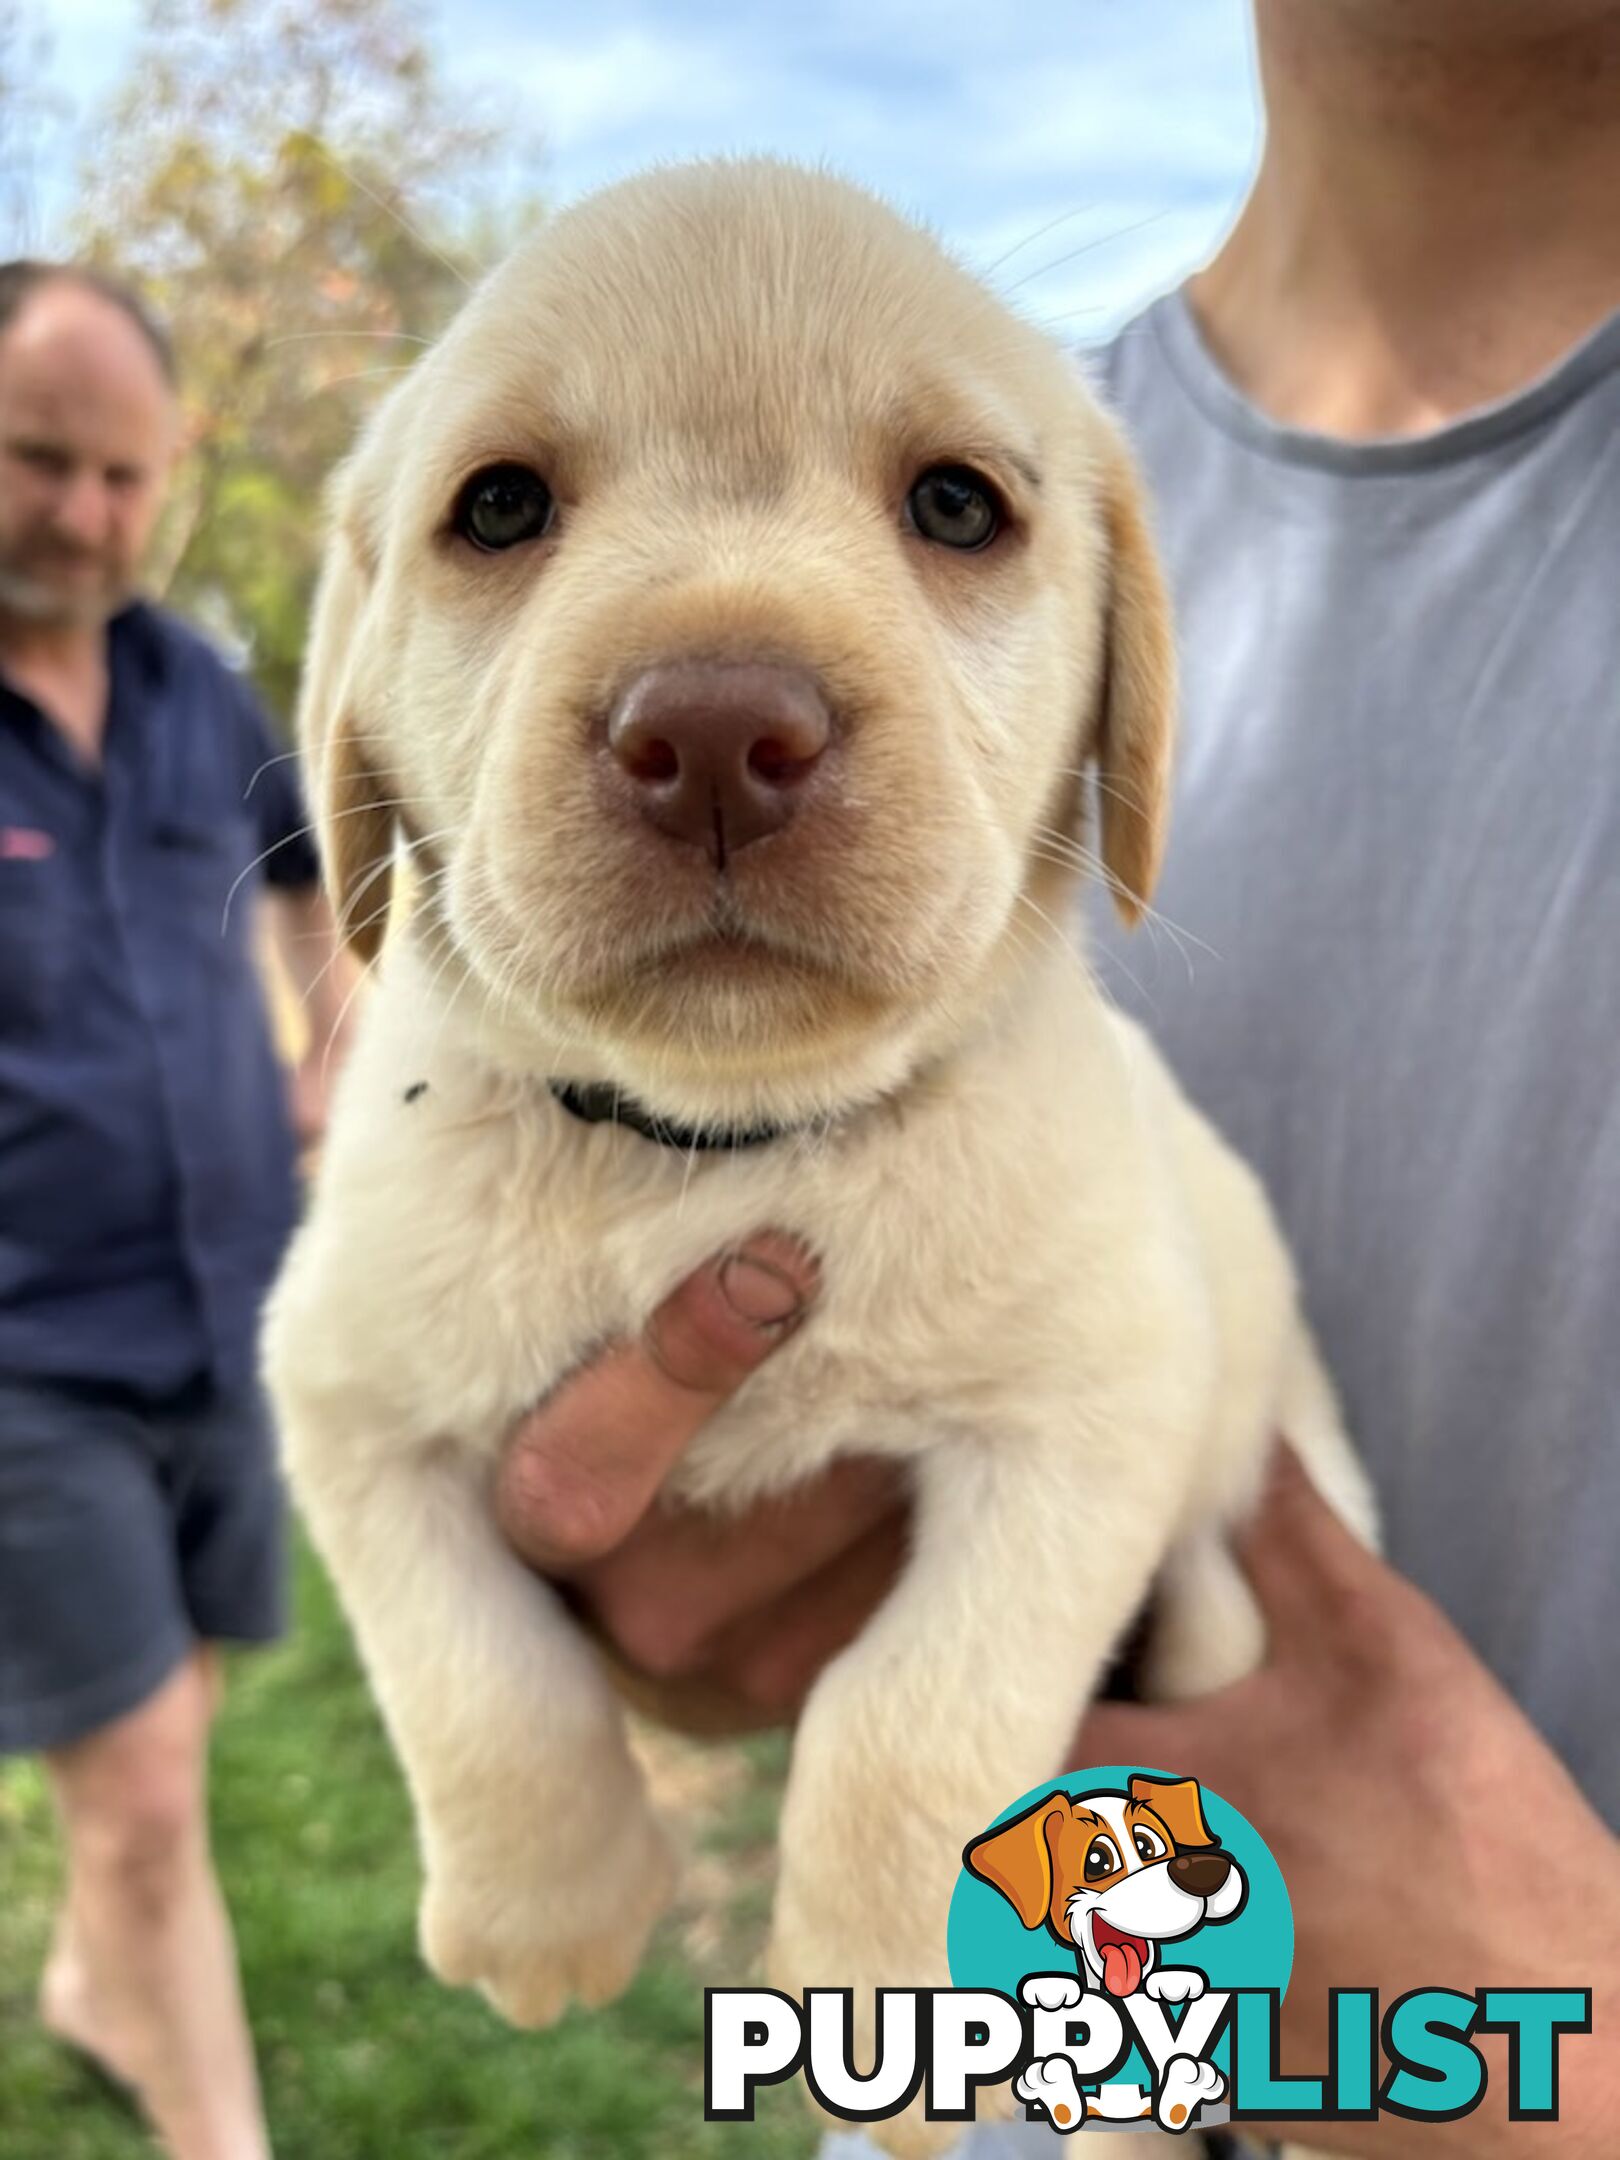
x,y
1175,1983
1186,2086
532,1949
1050,2085
1051,1991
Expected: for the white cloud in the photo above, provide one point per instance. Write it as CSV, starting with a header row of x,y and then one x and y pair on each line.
x,y
617,86
1131,120
1135,123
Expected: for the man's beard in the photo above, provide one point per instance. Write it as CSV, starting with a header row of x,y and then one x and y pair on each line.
x,y
36,600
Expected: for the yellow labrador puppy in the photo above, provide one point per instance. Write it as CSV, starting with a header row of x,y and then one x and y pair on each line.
x,y
725,619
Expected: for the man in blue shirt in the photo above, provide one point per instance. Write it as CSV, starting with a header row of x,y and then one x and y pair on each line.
x,y
147,1186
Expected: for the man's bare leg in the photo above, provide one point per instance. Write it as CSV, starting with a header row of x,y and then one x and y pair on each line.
x,y
142,1975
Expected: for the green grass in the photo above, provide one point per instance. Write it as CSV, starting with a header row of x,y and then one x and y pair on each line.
x,y
363,2056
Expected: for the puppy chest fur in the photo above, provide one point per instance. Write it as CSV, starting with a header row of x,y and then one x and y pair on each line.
x,y
476,1243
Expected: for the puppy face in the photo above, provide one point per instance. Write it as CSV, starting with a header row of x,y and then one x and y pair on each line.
x,y
726,610
1114,1874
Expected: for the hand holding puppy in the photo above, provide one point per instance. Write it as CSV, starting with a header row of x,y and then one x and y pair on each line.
x,y
743,1611
1394,1780
1427,1834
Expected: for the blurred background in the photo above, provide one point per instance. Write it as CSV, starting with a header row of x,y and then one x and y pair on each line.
x,y
304,188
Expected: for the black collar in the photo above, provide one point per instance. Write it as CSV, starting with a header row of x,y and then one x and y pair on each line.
x,y
599,1102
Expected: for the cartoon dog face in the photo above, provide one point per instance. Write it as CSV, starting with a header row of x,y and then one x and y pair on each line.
x,y
1113,1874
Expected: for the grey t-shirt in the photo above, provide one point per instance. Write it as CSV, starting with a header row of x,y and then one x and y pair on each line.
x,y
1395,862
1394,974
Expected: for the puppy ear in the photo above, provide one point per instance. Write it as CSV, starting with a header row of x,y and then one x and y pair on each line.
x,y
1017,1859
1179,1806
1136,728
355,827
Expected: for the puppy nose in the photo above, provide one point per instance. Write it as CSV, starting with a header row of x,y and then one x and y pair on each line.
x,y
1200,1874
719,752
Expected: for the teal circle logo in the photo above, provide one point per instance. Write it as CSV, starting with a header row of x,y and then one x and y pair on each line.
x,y
1128,1879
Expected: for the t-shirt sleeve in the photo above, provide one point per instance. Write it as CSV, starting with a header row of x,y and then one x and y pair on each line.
x,y
275,797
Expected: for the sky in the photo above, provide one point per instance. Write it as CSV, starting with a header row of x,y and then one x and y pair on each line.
x,y
1126,128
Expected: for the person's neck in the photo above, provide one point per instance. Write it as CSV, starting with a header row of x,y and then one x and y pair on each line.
x,y
63,667
1433,223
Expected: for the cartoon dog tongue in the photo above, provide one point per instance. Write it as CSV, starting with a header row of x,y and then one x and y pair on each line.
x,y
1122,1967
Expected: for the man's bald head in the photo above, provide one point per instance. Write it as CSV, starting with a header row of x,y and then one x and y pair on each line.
x,y
24,276
88,425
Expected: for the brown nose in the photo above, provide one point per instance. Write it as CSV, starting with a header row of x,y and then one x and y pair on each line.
x,y
718,752
1200,1874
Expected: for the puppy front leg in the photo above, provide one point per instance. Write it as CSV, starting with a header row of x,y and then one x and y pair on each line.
x,y
1206,1628
545,1868
963,1692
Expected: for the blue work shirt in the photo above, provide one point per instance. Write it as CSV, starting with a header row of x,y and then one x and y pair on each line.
x,y
147,1164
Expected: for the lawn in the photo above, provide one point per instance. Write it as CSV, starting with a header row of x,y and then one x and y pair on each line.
x,y
363,2056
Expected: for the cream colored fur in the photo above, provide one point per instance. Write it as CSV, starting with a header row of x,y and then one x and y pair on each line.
x,y
1049,1287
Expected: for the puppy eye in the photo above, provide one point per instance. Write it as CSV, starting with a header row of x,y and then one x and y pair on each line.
x,y
1101,1858
956,507
1149,1844
503,506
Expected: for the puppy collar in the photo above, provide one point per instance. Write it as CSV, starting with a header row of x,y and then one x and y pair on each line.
x,y
599,1102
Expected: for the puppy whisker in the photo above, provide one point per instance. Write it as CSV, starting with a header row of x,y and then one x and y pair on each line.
x,y
367,969
392,210
1050,322
1043,851
347,925
1120,232
1060,937
377,915
313,825
1076,853
335,382
1064,217
282,757
308,337
1117,789
448,958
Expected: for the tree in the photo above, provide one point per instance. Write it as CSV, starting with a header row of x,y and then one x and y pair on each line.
x,y
278,177
28,115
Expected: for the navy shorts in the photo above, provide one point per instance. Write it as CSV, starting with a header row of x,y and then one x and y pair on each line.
x,y
130,1531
